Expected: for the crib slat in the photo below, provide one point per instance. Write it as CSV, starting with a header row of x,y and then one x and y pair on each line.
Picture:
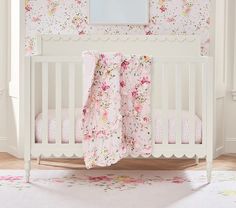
x,y
58,102
178,103
72,102
192,82
33,103
45,102
165,98
204,98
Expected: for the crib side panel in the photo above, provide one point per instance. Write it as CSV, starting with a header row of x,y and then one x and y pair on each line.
x,y
179,83
180,89
56,97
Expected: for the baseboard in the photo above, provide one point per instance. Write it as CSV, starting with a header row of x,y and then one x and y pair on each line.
x,y
230,145
13,151
4,147
3,144
219,151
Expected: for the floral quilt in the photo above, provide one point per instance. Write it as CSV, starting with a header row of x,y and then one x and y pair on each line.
x,y
116,107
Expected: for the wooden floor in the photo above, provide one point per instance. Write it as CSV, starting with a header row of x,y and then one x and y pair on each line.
x,y
225,162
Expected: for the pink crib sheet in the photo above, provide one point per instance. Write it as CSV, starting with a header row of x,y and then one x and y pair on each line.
x,y
65,130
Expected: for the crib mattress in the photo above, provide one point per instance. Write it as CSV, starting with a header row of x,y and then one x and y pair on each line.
x,y
65,127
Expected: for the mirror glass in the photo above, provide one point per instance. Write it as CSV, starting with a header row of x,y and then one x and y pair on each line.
x,y
119,12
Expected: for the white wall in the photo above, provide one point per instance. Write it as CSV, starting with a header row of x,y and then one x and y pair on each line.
x,y
230,105
3,75
11,56
16,72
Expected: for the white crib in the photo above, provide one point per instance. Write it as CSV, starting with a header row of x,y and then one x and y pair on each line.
x,y
182,90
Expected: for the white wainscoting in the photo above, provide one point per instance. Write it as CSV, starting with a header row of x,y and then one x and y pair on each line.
x,y
230,104
219,145
3,126
3,144
230,145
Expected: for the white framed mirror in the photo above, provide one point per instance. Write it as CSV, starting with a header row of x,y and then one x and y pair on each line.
x,y
118,12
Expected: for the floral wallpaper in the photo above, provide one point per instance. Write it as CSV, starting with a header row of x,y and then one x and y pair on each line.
x,y
71,17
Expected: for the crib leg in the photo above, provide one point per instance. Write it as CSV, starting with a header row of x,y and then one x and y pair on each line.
x,y
27,170
39,159
197,160
209,170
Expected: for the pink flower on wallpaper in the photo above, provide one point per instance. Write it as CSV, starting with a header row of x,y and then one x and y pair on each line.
x,y
36,19
87,137
78,1
124,64
170,19
52,6
28,7
162,4
163,8
29,46
187,5
80,22
146,119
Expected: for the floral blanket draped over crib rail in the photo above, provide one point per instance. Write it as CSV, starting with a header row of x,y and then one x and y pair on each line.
x,y
116,107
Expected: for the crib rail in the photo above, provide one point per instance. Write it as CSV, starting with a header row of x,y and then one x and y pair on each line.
x,y
57,62
205,66
162,65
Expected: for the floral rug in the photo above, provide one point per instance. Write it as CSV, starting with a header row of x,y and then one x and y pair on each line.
x,y
106,189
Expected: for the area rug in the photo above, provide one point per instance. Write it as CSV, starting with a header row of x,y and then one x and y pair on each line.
x,y
117,189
